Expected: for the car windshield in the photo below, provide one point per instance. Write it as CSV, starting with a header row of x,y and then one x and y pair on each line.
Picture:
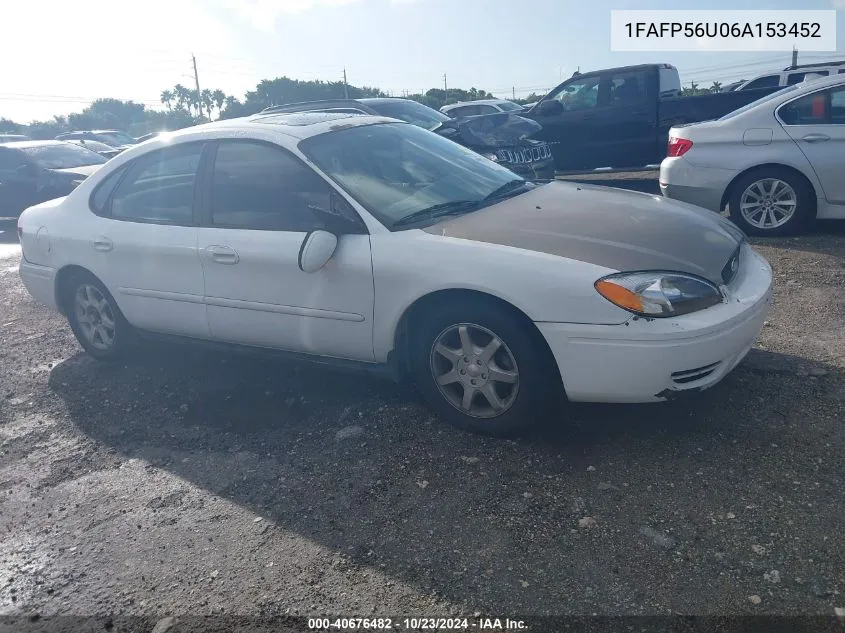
x,y
118,138
509,106
396,170
410,112
62,156
754,104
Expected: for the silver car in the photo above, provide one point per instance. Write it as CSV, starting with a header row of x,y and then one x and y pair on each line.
x,y
777,163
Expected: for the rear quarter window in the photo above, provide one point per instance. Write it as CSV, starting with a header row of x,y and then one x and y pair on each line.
x,y
100,197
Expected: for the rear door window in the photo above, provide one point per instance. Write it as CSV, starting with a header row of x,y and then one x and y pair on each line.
x,y
627,89
159,187
811,109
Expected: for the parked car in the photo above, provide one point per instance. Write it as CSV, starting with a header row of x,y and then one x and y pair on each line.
x,y
102,149
504,138
480,106
10,138
620,117
367,242
115,138
777,163
792,75
34,171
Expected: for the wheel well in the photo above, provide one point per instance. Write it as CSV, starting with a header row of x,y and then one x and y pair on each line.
x,y
62,278
729,189
400,356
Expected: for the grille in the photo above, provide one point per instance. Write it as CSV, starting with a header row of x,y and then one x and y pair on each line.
x,y
524,155
732,267
691,375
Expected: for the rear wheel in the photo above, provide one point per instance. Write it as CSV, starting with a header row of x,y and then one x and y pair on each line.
x,y
95,318
772,201
481,369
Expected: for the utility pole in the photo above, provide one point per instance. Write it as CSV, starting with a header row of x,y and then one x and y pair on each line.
x,y
794,56
197,82
513,92
345,85
445,89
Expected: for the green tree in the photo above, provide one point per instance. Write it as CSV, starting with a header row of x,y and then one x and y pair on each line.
x,y
219,98
207,101
167,97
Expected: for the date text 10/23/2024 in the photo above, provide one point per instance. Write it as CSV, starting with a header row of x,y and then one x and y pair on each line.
x,y
416,624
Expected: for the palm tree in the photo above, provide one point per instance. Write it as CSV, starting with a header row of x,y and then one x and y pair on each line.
x,y
206,101
167,97
219,98
181,94
716,87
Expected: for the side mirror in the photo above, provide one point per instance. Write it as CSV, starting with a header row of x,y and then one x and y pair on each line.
x,y
316,251
549,107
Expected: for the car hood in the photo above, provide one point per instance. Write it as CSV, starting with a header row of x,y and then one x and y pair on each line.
x,y
503,129
621,230
82,170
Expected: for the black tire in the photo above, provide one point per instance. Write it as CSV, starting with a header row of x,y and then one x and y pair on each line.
x,y
122,331
538,379
805,209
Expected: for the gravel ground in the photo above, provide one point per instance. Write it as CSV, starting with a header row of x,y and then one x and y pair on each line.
x,y
190,481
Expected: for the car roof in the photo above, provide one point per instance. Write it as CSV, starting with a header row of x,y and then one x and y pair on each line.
x,y
298,125
28,144
479,101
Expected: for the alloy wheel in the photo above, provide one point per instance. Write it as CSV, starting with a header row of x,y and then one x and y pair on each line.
x,y
768,203
95,316
474,370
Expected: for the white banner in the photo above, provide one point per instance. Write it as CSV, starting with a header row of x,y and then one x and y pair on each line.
x,y
723,31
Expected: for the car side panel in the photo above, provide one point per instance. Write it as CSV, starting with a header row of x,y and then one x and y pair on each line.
x,y
408,265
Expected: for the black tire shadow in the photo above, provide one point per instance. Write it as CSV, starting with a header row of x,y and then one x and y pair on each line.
x,y
360,467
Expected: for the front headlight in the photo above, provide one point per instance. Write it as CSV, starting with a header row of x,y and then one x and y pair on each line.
x,y
492,157
658,293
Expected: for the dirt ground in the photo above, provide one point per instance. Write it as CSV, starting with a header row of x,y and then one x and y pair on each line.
x,y
187,481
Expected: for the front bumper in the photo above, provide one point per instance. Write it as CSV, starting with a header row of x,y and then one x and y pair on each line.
x,y
539,170
653,360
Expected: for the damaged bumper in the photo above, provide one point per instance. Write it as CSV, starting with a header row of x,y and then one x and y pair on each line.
x,y
660,359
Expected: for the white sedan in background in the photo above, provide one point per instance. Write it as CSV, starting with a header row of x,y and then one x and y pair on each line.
x,y
777,163
365,241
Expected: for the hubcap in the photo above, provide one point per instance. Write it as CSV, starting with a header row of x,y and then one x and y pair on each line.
x,y
768,203
474,370
95,316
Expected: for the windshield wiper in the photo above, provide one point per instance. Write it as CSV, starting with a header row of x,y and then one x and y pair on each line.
x,y
453,207
512,187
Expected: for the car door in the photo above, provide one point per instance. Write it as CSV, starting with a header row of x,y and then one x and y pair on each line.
x,y
568,120
144,244
18,182
624,123
816,122
261,203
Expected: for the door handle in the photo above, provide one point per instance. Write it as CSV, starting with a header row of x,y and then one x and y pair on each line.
x,y
222,255
815,138
102,244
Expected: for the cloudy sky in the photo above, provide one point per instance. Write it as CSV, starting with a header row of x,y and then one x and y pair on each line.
x,y
58,55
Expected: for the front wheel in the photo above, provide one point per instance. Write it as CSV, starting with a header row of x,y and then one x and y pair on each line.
x,y
482,369
772,201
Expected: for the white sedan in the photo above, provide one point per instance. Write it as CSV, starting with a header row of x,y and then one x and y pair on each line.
x,y
777,163
365,241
